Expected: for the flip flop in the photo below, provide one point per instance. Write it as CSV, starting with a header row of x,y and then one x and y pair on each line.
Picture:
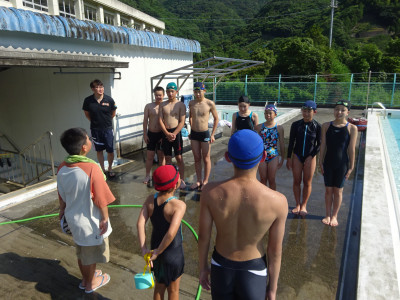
x,y
102,283
195,186
183,185
97,273
146,180
303,213
111,174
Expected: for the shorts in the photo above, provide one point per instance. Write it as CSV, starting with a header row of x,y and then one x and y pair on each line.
x,y
155,139
94,254
103,139
169,265
238,279
335,177
176,144
203,136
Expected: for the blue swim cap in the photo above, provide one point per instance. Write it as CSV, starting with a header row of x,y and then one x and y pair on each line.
x,y
245,149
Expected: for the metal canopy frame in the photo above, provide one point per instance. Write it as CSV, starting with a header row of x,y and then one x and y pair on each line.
x,y
213,67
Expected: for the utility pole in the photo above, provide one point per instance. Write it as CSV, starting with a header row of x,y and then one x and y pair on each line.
x,y
333,6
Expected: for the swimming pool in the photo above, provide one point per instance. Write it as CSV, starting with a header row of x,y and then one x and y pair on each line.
x,y
391,129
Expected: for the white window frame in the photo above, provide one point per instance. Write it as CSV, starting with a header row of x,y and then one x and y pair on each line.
x,y
39,6
92,9
109,18
67,3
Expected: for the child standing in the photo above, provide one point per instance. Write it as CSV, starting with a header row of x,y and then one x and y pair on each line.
x,y
337,159
165,212
271,133
84,196
244,118
304,142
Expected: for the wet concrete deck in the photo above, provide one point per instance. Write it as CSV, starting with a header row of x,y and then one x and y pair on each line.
x,y
38,261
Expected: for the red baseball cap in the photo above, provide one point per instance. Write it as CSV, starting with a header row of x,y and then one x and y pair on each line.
x,y
165,177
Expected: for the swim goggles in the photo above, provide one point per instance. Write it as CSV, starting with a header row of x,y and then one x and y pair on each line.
x,y
344,103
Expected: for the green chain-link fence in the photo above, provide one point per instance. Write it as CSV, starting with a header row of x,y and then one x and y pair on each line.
x,y
325,92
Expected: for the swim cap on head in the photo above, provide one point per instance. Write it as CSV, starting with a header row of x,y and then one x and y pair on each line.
x,y
271,107
172,86
310,105
245,149
165,177
344,103
244,99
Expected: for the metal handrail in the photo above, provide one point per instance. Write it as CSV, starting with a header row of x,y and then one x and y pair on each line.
x,y
381,105
30,164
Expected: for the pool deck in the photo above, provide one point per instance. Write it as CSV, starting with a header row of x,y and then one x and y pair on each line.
x,y
38,261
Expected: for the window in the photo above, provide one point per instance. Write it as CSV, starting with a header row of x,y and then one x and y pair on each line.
x,y
137,26
67,8
108,18
36,4
90,13
124,22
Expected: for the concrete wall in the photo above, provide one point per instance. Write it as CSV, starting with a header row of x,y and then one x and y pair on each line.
x,y
35,100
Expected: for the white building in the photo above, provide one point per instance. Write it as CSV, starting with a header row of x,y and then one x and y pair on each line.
x,y
47,63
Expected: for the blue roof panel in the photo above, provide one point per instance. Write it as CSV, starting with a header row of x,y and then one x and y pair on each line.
x,y
12,19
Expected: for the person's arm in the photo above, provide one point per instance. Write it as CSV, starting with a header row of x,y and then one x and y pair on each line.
x,y
145,123
141,225
190,114
104,219
317,142
351,149
255,119
161,120
113,113
182,118
281,145
215,124
323,147
233,123
274,248
179,211
292,139
205,227
62,207
87,114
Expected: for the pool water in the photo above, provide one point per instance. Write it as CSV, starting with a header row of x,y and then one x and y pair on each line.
x,y
391,129
226,114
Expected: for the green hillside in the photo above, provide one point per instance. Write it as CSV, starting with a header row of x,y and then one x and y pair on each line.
x,y
291,36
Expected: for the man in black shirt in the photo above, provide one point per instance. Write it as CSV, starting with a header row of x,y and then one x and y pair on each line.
x,y
100,109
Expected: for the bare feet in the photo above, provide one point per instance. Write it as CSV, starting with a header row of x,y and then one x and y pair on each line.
x,y
146,179
296,210
303,212
334,222
97,283
326,220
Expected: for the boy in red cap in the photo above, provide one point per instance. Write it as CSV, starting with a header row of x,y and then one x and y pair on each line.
x,y
165,212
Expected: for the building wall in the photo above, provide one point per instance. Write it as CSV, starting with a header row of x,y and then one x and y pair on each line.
x,y
35,100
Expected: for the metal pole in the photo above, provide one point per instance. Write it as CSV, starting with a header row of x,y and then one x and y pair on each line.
x,y
332,13
351,83
215,90
369,81
279,88
245,86
394,87
315,87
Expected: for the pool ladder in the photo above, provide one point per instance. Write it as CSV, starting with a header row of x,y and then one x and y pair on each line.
x,y
381,106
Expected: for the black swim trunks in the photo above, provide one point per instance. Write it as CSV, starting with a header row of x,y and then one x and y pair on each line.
x,y
203,136
155,139
169,264
177,144
238,279
336,159
103,139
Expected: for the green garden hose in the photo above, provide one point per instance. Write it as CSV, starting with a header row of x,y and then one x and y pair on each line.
x,y
110,206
